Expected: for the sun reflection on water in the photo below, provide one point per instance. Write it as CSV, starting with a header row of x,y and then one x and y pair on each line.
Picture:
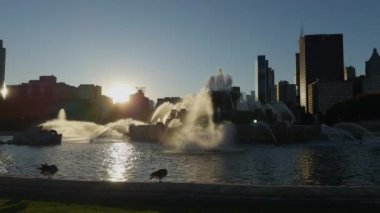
x,y
119,162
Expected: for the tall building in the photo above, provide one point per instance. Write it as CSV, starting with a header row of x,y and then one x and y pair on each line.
x,y
47,87
271,91
349,73
324,94
286,93
371,82
2,64
321,57
297,78
261,76
251,100
372,66
265,89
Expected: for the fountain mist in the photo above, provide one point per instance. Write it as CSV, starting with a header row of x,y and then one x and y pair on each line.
x,y
83,131
197,129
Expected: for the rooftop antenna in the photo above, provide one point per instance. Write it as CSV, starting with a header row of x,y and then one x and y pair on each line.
x,y
301,30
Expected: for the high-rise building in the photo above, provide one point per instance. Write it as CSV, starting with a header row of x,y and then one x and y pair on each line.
x,y
324,94
349,73
286,93
270,86
251,100
264,80
297,78
261,76
372,66
371,82
2,64
321,57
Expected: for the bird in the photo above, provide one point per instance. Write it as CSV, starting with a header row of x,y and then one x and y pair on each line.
x,y
159,174
48,170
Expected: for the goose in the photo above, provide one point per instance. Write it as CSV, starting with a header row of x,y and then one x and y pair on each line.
x,y
159,174
49,170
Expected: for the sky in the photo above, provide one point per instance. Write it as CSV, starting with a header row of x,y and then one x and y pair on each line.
x,y
173,47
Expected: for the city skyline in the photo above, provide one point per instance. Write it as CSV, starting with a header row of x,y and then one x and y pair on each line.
x,y
172,48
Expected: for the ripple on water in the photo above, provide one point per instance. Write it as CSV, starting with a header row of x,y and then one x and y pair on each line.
x,y
308,164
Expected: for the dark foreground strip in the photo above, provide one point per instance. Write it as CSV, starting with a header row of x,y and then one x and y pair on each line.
x,y
186,193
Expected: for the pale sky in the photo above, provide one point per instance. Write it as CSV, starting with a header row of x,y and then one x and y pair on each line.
x,y
173,47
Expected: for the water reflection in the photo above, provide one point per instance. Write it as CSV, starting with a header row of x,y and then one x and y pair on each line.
x,y
119,161
201,167
315,164
321,166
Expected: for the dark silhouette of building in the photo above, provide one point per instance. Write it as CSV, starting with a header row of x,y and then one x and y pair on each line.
x,y
271,91
225,100
264,80
40,100
372,66
261,72
297,77
2,64
286,93
371,83
321,57
45,87
324,94
139,106
349,73
89,91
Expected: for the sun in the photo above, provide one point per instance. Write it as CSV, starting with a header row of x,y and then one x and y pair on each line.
x,y
119,93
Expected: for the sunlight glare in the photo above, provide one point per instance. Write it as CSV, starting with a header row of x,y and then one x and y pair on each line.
x,y
4,91
119,93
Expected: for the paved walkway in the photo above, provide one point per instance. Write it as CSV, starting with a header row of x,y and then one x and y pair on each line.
x,y
184,193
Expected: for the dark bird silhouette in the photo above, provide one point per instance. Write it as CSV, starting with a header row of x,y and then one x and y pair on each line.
x,y
48,170
159,174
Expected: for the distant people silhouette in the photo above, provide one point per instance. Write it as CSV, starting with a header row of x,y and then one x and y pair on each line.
x,y
159,174
45,169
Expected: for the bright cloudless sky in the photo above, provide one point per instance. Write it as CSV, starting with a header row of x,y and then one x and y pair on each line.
x,y
173,47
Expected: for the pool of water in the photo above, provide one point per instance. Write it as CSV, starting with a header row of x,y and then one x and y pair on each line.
x,y
317,163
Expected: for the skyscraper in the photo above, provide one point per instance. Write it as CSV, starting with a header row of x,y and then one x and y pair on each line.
x,y
261,78
371,83
270,86
264,80
297,78
349,73
286,93
321,57
372,66
2,64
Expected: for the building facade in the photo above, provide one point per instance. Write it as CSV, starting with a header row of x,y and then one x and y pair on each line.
x,y
371,82
297,77
261,76
349,73
321,57
372,66
324,94
286,93
271,91
264,83
47,87
2,64
89,91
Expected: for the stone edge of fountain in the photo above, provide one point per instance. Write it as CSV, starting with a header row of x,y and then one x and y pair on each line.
x,y
184,193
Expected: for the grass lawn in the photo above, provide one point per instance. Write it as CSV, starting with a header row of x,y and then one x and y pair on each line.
x,y
7,205
43,206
